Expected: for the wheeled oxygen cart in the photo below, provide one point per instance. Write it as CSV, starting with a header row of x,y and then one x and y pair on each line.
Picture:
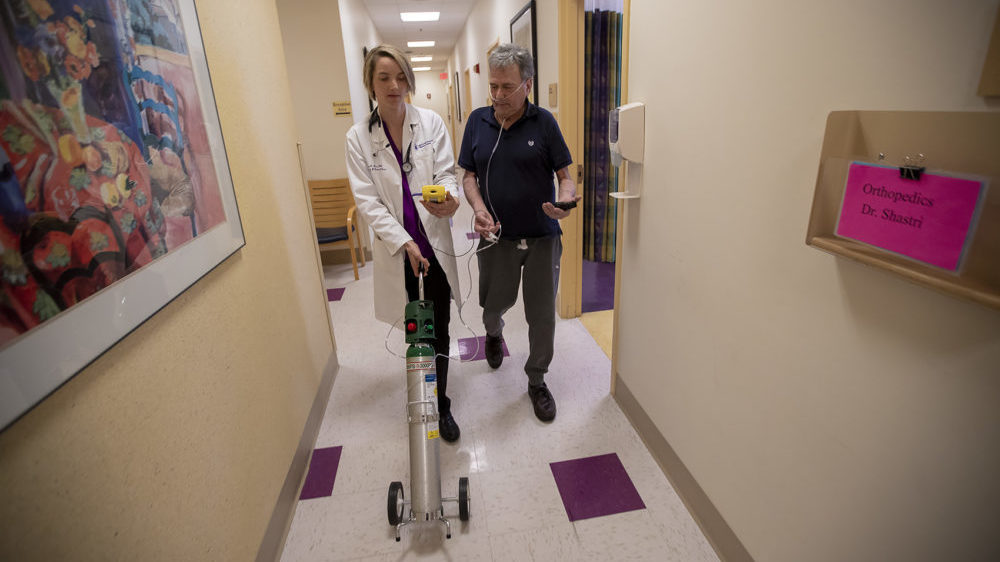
x,y
422,417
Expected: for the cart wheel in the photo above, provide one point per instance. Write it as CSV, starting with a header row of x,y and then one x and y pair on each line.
x,y
395,504
463,498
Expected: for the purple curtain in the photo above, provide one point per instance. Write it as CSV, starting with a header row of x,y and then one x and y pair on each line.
x,y
602,92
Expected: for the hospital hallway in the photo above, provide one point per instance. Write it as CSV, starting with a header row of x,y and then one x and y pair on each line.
x,y
191,369
583,487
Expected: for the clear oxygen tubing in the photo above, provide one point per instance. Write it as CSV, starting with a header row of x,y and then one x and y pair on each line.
x,y
468,293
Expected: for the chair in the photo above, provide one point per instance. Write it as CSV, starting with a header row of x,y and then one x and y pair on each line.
x,y
158,113
333,210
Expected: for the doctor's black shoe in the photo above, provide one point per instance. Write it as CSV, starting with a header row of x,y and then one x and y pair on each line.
x,y
542,402
448,428
494,351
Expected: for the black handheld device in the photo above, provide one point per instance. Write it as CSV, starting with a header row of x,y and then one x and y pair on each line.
x,y
564,205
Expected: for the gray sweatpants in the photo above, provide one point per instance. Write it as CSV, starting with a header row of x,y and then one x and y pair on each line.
x,y
501,269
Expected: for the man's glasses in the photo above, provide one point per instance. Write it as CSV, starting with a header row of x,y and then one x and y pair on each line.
x,y
505,90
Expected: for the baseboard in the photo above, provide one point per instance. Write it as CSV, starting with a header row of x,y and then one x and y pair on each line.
x,y
281,519
722,538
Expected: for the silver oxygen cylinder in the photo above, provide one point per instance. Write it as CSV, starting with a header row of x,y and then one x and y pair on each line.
x,y
422,416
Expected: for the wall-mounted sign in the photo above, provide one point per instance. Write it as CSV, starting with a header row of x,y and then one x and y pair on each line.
x,y
341,108
929,219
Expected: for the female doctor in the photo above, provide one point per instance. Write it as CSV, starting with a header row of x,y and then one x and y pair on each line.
x,y
390,157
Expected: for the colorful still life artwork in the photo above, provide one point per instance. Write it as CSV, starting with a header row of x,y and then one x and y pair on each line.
x,y
105,164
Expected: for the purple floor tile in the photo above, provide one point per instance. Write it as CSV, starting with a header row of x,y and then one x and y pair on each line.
x,y
471,235
598,286
595,486
470,350
334,294
322,473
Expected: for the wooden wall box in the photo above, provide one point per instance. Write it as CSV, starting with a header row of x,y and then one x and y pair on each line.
x,y
989,82
951,142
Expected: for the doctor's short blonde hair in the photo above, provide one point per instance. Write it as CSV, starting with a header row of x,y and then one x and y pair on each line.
x,y
396,55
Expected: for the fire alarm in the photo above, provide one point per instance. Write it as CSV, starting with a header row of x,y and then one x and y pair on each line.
x,y
476,68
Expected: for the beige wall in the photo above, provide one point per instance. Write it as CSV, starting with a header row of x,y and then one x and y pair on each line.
x,y
323,44
174,444
489,21
358,31
831,411
430,82
317,71
547,12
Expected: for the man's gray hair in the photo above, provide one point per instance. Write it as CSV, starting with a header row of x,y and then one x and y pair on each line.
x,y
508,54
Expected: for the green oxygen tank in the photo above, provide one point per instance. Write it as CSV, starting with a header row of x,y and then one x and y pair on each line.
x,y
422,417
422,411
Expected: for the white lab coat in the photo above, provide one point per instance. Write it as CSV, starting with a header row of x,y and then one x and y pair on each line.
x,y
377,185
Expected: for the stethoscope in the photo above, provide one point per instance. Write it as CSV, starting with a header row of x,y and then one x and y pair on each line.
x,y
407,167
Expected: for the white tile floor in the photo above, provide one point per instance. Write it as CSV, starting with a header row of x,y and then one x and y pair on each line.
x,y
516,510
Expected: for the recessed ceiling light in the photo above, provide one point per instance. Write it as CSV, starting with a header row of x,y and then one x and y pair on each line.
x,y
420,43
421,59
420,16
420,68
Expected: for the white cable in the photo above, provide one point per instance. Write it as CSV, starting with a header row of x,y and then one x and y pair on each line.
x,y
475,337
469,266
391,327
468,292
460,306
519,86
487,181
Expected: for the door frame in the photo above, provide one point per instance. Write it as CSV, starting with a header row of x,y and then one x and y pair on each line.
x,y
466,94
571,104
452,118
622,203
570,98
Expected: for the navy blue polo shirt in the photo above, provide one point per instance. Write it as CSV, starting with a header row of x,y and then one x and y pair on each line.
x,y
522,170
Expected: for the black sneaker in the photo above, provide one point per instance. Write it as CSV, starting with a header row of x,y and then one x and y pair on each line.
x,y
448,428
542,401
494,351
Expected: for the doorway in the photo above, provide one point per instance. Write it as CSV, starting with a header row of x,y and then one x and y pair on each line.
x,y
602,92
466,95
590,280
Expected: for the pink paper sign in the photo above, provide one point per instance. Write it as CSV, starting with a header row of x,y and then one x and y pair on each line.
x,y
927,219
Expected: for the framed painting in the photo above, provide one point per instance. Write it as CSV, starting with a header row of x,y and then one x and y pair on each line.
x,y
522,32
115,190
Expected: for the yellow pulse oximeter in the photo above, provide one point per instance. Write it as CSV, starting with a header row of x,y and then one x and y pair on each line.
x,y
435,193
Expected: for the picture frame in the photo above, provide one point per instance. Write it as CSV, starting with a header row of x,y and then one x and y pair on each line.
x,y
458,100
489,51
523,33
116,194
364,58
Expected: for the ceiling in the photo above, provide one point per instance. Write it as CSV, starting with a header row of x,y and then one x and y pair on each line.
x,y
445,31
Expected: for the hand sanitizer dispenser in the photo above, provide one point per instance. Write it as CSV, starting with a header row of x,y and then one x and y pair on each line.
x,y
627,133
